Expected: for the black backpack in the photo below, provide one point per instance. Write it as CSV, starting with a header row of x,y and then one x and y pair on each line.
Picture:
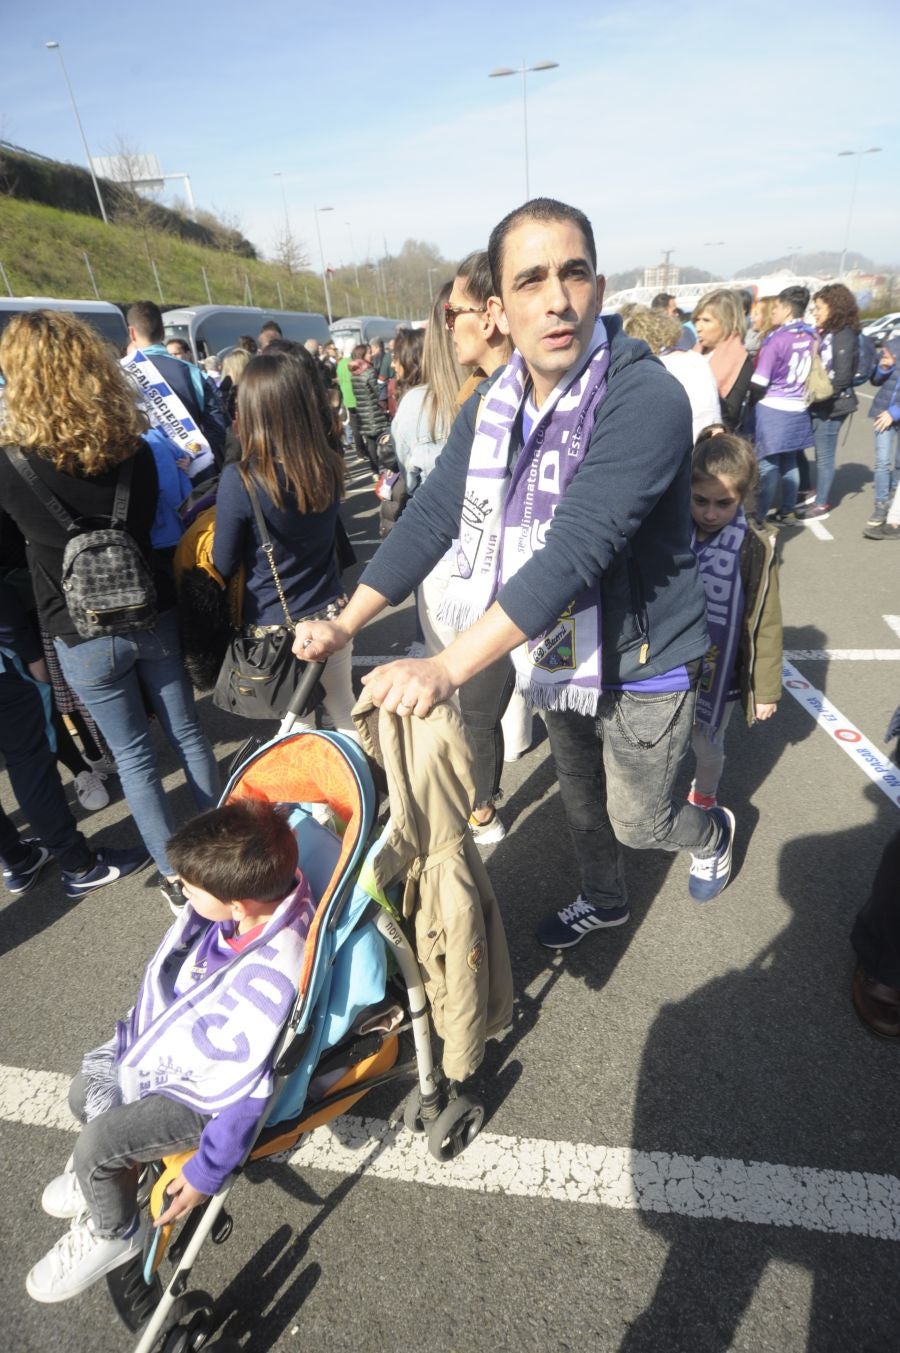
x,y
106,581
866,359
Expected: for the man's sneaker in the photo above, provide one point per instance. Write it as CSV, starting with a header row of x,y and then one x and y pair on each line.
x,y
879,515
487,833
814,513
883,532
63,1197
77,1260
24,876
710,876
109,866
91,791
173,893
568,927
704,801
787,519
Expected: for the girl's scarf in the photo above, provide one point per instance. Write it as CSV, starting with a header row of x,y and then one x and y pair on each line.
x,y
726,361
505,519
719,561
210,1047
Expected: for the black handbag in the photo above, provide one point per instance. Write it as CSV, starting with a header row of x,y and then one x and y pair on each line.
x,y
260,673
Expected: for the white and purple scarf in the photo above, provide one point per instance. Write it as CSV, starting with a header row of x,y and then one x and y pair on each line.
x,y
209,1047
719,561
505,519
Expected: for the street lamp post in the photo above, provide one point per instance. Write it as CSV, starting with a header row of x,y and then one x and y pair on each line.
x,y
277,174
430,287
353,253
55,47
872,150
524,70
317,212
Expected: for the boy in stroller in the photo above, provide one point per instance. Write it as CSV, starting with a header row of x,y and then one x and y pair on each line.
x,y
191,1065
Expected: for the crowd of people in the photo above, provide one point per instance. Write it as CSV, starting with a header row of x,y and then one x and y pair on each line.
x,y
581,532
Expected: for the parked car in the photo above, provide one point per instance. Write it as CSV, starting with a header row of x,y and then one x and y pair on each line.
x,y
209,329
883,328
105,317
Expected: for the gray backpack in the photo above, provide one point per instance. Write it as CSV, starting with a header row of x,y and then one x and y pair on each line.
x,y
106,581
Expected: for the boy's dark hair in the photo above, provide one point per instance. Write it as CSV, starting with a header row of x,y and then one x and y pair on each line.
x,y
661,301
146,318
475,271
796,297
243,851
724,453
538,209
248,343
271,326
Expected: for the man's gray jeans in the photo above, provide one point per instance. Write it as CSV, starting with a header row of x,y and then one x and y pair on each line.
x,y
616,771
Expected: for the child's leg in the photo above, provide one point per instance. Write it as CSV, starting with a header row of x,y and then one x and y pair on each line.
x,y
112,1148
710,754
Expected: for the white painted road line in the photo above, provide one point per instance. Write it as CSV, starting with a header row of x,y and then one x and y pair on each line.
x,y
820,531
848,737
842,654
705,1188
893,622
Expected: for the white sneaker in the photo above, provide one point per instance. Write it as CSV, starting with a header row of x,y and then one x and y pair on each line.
x,y
104,765
63,1197
77,1260
91,791
487,833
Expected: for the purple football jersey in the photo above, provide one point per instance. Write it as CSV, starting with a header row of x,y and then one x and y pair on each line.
x,y
783,366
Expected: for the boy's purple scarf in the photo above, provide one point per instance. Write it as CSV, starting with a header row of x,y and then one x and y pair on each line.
x,y
210,1047
719,560
505,519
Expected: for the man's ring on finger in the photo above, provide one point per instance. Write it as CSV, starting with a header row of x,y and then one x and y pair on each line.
x,y
306,643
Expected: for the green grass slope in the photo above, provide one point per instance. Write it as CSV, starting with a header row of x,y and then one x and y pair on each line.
x,y
42,252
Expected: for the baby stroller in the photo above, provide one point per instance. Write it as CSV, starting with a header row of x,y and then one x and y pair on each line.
x,y
343,1035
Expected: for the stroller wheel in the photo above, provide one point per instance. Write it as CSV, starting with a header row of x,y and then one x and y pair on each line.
x,y
412,1111
194,1327
456,1126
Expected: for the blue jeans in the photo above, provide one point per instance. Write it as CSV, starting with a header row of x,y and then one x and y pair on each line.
x,y
826,432
616,772
110,676
772,469
887,464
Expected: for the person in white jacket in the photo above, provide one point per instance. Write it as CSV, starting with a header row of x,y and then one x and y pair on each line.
x,y
661,333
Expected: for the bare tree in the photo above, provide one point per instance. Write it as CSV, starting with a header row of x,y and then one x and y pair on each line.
x,y
290,252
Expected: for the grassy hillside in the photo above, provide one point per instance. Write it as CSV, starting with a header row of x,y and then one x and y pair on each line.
x,y
41,250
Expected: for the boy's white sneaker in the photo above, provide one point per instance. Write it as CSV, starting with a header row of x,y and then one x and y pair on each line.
x,y
77,1260
63,1197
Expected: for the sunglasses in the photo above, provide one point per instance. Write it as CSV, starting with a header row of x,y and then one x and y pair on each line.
x,y
451,311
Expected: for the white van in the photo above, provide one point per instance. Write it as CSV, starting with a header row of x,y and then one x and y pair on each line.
x,y
105,317
209,329
362,329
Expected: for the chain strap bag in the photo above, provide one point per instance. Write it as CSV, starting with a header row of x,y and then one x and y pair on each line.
x,y
260,673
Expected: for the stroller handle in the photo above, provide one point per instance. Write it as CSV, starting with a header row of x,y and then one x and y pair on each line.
x,y
305,687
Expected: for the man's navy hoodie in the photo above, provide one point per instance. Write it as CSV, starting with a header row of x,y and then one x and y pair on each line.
x,y
625,519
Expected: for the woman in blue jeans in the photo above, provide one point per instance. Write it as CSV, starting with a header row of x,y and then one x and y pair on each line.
x,y
70,408
837,327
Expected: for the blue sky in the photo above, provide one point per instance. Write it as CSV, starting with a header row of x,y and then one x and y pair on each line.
x,y
673,126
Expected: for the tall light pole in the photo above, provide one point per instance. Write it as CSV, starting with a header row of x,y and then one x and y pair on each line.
x,y
353,253
524,71
872,150
55,47
287,220
430,287
317,212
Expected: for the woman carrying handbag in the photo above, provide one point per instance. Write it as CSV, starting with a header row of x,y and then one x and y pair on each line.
x,y
277,513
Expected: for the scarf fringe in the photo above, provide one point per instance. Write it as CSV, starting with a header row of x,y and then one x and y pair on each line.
x,y
459,615
99,1069
559,699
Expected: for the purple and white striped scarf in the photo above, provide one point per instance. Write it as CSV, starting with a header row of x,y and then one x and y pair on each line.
x,y
210,1047
719,561
505,519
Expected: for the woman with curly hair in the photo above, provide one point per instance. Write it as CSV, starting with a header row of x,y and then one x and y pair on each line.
x,y
661,332
71,409
837,326
720,324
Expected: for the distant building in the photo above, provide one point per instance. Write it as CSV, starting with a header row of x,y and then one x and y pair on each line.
x,y
662,277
